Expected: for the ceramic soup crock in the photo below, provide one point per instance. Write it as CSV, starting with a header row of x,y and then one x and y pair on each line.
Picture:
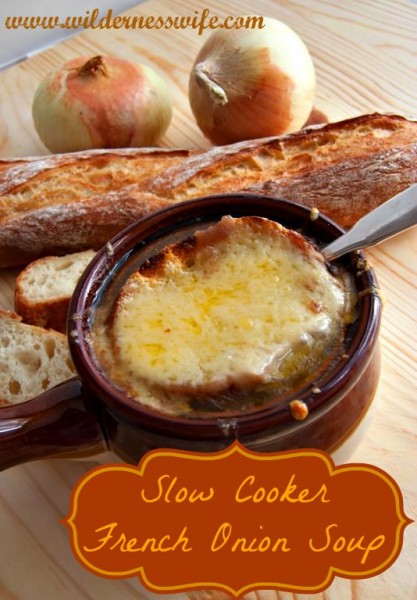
x,y
88,415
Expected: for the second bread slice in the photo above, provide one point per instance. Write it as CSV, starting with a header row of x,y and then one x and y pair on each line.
x,y
32,360
44,289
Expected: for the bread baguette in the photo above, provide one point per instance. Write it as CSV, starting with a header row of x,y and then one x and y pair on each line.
x,y
32,359
33,183
344,169
44,289
69,203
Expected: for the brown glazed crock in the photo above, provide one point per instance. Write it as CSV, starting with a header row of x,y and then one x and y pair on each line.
x,y
88,415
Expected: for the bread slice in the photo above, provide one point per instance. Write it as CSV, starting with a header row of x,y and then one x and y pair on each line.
x,y
243,303
44,289
67,203
32,359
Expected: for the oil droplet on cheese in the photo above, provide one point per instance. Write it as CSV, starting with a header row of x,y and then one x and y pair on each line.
x,y
246,305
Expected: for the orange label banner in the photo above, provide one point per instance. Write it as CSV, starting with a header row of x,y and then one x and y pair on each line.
x,y
236,520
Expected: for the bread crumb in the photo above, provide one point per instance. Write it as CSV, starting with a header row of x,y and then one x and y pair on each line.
x,y
76,317
226,425
74,336
109,250
362,266
299,410
314,214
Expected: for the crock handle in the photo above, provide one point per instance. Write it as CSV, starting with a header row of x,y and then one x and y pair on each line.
x,y
61,422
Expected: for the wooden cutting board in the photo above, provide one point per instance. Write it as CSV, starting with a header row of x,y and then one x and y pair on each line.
x,y
365,56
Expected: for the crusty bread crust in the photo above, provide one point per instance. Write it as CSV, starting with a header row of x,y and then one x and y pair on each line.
x,y
44,288
67,203
33,183
65,228
345,169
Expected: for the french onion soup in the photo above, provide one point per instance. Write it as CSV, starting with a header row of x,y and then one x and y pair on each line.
x,y
240,314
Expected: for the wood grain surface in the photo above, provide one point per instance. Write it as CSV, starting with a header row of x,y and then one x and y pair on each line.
x,y
365,58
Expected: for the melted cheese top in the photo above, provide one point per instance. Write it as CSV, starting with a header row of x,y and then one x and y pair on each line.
x,y
244,307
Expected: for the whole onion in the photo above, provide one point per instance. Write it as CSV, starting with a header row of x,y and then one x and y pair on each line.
x,y
252,83
101,102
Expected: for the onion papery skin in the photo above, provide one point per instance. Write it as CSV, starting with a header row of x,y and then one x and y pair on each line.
x,y
113,103
268,79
